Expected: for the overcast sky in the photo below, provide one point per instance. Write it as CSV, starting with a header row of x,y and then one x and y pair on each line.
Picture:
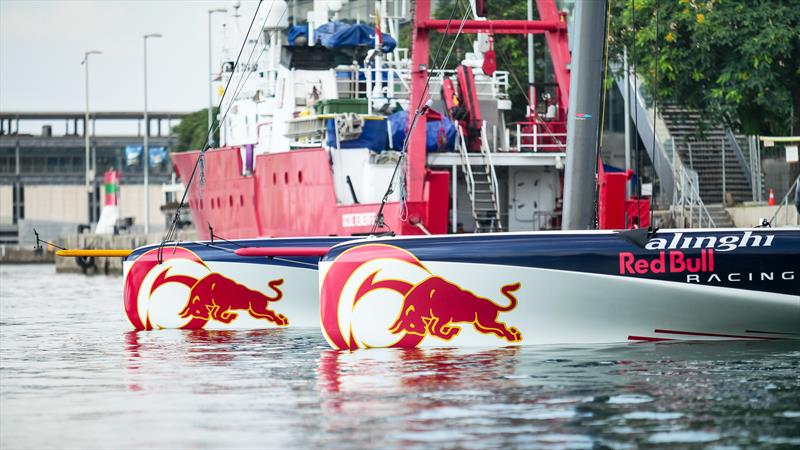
x,y
42,43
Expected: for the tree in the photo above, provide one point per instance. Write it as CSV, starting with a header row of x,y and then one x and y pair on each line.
x,y
193,131
735,61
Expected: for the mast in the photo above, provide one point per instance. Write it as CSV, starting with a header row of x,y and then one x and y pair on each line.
x,y
584,115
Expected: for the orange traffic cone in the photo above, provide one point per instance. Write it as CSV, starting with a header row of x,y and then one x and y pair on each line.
x,y
771,201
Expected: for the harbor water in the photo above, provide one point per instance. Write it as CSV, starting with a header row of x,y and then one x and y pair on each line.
x,y
74,375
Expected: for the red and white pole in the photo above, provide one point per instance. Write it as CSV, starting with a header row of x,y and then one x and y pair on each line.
x,y
111,188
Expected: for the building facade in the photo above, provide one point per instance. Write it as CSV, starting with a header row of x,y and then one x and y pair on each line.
x,y
45,182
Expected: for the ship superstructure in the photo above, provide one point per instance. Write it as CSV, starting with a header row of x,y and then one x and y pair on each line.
x,y
314,122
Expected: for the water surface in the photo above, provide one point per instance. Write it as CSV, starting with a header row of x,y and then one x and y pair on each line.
x,y
74,375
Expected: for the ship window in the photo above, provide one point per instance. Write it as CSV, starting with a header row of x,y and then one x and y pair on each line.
x,y
300,176
230,201
241,200
286,177
201,203
274,178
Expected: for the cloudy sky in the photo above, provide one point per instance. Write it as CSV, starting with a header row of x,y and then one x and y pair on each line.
x,y
42,43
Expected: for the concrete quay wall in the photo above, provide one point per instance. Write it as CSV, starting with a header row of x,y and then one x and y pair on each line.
x,y
750,216
105,265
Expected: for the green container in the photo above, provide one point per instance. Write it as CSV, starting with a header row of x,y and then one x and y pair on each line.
x,y
342,105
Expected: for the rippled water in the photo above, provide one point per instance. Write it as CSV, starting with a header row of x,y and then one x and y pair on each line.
x,y
73,375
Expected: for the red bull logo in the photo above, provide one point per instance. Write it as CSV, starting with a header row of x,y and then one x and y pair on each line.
x,y
216,296
434,306
211,296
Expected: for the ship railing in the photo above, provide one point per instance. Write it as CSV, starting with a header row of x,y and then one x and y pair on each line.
x,y
306,131
494,86
529,138
688,209
395,82
398,56
461,145
487,156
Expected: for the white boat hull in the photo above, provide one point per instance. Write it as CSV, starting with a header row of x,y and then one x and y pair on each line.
x,y
206,285
387,296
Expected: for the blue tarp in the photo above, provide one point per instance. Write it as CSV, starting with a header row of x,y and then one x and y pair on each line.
x,y
340,34
373,137
359,35
440,134
325,31
295,31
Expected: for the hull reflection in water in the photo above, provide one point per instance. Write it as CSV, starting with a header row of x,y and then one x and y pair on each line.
x,y
554,396
562,287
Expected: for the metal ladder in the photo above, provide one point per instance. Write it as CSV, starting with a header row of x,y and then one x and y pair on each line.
x,y
481,185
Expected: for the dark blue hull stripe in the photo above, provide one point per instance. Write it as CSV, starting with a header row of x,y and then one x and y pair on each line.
x,y
763,260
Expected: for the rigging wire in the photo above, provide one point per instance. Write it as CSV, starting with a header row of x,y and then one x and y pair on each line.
x,y
600,131
243,79
604,91
524,94
173,226
655,109
248,70
419,110
40,241
636,117
240,85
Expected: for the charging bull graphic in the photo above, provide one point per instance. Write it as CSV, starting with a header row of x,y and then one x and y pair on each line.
x,y
434,306
211,296
215,297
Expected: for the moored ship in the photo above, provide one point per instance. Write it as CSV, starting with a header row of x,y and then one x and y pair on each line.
x,y
315,125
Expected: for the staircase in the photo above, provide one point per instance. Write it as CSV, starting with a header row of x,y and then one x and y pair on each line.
x,y
701,150
720,215
481,185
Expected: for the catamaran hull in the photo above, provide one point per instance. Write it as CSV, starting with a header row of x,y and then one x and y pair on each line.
x,y
206,285
547,288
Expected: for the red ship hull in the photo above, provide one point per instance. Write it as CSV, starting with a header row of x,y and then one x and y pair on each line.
x,y
292,194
